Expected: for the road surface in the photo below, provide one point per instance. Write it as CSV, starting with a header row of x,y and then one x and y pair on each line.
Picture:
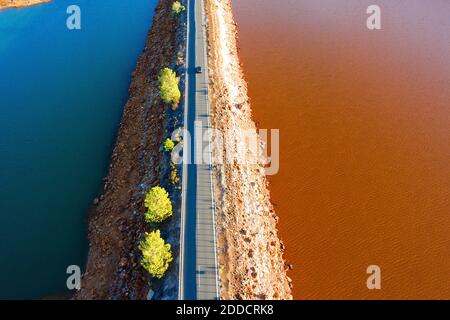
x,y
198,258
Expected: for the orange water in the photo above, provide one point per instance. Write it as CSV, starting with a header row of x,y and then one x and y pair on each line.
x,y
364,118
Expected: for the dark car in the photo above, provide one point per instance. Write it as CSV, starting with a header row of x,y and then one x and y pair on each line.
x,y
198,69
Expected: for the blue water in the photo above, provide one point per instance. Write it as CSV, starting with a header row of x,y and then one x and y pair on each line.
x,y
61,99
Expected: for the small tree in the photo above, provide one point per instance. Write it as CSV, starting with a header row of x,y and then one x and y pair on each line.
x,y
177,8
156,254
168,145
168,86
158,204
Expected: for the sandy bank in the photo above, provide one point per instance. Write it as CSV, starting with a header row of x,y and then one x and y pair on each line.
x,y
250,252
4,4
117,222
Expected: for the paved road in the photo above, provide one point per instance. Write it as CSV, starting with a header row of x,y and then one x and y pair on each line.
x,y
198,264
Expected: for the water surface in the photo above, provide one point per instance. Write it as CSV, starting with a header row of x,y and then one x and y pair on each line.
x,y
364,119
61,98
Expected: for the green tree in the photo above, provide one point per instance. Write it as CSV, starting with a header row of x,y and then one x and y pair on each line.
x,y
168,86
156,254
168,145
158,204
177,7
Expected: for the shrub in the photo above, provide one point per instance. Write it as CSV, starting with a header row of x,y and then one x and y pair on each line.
x,y
174,178
168,86
177,7
158,204
168,145
156,254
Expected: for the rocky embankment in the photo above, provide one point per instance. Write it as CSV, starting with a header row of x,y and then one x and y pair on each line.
x,y
250,252
19,3
117,220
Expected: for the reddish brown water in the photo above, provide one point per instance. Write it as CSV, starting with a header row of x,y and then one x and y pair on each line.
x,y
365,140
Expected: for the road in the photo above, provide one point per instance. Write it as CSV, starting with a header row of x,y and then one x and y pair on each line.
x,y
198,257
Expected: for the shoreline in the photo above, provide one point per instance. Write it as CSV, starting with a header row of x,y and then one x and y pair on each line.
x,y
10,4
250,252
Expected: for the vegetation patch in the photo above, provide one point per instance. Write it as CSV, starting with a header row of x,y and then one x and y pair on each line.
x,y
174,177
168,145
177,8
168,86
156,254
158,204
